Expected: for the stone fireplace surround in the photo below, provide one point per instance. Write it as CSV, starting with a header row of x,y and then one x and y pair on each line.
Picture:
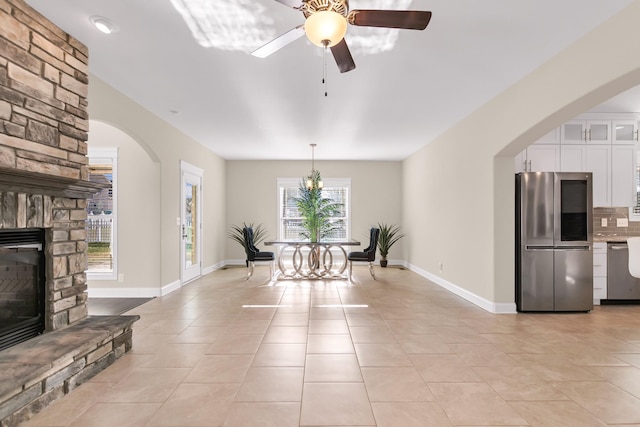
x,y
44,184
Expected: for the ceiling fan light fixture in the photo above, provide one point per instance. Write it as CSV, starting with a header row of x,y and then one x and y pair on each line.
x,y
325,28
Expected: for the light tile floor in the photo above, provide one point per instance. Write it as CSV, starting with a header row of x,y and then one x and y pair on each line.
x,y
399,352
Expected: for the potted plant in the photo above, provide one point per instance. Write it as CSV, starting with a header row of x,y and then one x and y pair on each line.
x,y
317,212
236,234
389,234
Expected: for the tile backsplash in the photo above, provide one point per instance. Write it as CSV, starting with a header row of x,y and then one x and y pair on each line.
x,y
612,215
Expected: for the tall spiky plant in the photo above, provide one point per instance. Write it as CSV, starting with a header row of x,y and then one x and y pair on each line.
x,y
236,234
389,234
317,212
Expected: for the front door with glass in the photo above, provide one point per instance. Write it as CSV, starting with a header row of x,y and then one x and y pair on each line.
x,y
190,221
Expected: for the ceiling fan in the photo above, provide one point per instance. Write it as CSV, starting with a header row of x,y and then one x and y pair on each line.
x,y
326,25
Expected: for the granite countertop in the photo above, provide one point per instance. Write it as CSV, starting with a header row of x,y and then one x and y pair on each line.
x,y
598,237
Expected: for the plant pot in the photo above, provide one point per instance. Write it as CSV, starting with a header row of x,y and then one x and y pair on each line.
x,y
383,262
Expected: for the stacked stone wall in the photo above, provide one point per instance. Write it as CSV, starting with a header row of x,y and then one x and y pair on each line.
x,y
44,129
43,95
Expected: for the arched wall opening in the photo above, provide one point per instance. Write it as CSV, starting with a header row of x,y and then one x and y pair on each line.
x,y
143,145
458,200
138,225
604,87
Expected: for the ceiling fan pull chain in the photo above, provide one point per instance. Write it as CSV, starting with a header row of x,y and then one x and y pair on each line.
x,y
324,66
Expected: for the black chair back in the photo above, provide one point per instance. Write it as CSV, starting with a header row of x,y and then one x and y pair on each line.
x,y
373,244
250,247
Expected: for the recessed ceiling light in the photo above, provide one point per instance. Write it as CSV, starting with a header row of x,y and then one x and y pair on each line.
x,y
103,24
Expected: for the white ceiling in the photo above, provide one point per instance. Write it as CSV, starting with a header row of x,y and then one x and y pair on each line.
x,y
393,103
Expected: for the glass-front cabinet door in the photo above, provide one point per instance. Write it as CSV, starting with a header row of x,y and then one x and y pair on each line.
x,y
589,131
625,131
598,131
573,132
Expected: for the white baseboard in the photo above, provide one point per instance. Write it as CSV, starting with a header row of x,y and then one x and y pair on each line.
x,y
173,286
123,292
213,267
490,306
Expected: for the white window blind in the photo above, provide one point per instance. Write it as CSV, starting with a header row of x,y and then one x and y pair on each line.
x,y
290,221
102,215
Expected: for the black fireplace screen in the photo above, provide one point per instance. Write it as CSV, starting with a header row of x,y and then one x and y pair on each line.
x,y
21,285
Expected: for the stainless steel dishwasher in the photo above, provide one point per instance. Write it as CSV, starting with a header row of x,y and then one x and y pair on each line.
x,y
620,284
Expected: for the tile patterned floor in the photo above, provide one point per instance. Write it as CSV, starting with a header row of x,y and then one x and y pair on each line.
x,y
397,352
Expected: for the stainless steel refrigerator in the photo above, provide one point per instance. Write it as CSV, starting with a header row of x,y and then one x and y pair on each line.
x,y
554,241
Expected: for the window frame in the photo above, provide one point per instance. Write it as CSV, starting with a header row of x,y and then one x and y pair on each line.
x,y
633,216
107,155
327,183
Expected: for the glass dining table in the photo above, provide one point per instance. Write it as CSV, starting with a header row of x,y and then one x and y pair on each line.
x,y
312,260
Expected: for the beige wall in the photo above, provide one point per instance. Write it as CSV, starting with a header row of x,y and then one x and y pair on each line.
x,y
252,195
165,146
138,198
470,168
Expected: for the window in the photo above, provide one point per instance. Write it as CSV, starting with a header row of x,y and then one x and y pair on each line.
x,y
101,216
634,211
289,219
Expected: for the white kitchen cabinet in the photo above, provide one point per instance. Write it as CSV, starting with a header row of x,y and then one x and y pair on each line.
x,y
573,158
520,161
552,137
623,170
606,148
599,272
539,158
613,168
589,131
598,162
590,158
624,131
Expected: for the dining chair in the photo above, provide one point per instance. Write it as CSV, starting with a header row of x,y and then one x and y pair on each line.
x,y
254,254
367,255
634,256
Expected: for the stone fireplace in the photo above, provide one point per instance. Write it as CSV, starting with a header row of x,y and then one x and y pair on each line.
x,y
43,165
22,285
62,221
44,188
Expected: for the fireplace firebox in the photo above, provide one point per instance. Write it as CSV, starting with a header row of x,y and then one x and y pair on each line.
x,y
22,285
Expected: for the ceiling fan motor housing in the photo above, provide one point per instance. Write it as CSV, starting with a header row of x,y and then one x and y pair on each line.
x,y
309,7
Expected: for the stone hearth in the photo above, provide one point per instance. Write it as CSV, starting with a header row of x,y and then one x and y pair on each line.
x,y
36,372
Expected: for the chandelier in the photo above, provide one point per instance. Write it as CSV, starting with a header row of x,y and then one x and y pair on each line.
x,y
314,182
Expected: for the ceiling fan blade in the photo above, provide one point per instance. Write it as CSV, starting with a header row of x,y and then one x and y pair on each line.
x,y
279,42
404,19
291,3
343,57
